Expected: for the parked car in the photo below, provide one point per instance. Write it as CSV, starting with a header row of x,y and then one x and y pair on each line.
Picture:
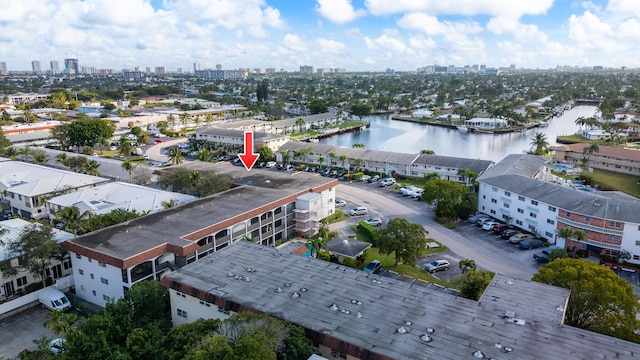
x,y
387,182
515,239
483,220
157,141
543,256
374,178
374,221
53,299
364,178
271,164
488,225
361,210
498,229
506,234
528,244
56,346
340,203
417,194
437,265
373,267
408,190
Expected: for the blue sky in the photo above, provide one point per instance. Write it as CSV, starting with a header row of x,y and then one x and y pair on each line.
x,y
357,35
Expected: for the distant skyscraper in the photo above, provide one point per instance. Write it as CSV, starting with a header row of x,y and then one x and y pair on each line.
x,y
147,70
3,68
160,70
71,66
218,67
35,66
55,67
196,66
305,69
179,70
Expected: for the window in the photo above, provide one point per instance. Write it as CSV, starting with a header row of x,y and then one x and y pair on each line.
x,y
636,257
80,271
91,276
549,221
551,208
507,193
22,281
78,256
587,219
568,214
180,294
338,354
104,281
204,303
494,188
520,197
182,313
533,215
224,311
105,298
521,211
89,259
506,205
637,242
548,234
615,224
93,292
532,228
533,202
83,288
494,201
493,212
101,264
518,222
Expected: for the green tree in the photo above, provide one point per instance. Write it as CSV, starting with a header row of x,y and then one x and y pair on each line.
x,y
40,157
316,244
262,90
331,154
169,204
285,155
184,118
4,142
318,106
124,146
453,199
466,265
358,145
129,166
428,152
171,120
182,181
403,239
82,132
36,246
176,156
600,300
205,155
266,154
90,167
540,143
344,159
61,158
557,253
25,151
72,218
474,284
360,110
588,152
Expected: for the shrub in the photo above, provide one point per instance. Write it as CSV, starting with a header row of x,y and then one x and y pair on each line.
x,y
367,230
324,255
349,262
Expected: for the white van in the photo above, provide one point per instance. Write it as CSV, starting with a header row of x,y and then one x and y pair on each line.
x,y
53,299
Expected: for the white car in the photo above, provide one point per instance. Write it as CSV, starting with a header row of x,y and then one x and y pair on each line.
x,y
387,182
340,203
56,346
365,178
361,210
408,190
417,194
488,225
374,221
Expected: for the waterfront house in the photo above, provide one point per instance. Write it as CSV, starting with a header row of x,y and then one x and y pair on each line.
x,y
485,123
614,159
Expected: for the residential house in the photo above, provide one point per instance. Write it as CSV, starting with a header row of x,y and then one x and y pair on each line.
x,y
28,186
349,314
103,199
11,231
260,207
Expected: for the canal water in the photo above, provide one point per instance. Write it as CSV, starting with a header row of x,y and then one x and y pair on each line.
x,y
407,137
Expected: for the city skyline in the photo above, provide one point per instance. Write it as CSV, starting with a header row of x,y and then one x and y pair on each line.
x,y
362,35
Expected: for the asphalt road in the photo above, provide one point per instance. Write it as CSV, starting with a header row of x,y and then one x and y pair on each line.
x,y
489,251
19,330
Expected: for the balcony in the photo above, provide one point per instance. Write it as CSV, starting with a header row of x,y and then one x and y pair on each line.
x,y
584,226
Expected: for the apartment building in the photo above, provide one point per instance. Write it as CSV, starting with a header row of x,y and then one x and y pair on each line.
x,y
623,161
383,162
349,314
516,192
233,140
27,186
15,284
264,206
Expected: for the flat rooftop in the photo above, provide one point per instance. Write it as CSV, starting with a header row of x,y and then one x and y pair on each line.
x,y
387,317
172,226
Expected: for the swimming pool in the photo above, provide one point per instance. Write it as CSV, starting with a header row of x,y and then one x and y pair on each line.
x,y
562,167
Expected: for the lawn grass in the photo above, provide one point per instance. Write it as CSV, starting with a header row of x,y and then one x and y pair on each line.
x,y
351,123
337,216
616,181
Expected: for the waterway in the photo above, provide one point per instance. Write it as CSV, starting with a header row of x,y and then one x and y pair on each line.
x,y
407,137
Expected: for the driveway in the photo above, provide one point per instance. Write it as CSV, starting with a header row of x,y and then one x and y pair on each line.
x,y
490,253
19,331
155,151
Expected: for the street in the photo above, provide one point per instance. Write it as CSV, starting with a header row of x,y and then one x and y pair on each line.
x,y
466,241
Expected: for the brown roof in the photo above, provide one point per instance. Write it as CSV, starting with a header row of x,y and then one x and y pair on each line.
x,y
608,151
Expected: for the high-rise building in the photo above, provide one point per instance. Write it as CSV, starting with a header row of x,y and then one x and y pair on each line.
x,y
71,66
147,70
55,67
35,67
305,69
160,70
3,68
218,67
179,70
196,67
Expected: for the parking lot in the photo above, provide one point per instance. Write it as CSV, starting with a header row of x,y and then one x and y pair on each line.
x,y
19,331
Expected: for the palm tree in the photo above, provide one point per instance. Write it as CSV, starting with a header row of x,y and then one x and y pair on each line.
x,y
61,322
428,152
321,160
176,156
467,266
171,120
540,143
581,121
28,116
184,118
129,166
72,218
10,152
40,157
204,155
285,155
331,154
124,146
358,145
566,232
315,245
25,152
357,163
588,151
344,159
208,118
300,124
325,232
194,177
91,167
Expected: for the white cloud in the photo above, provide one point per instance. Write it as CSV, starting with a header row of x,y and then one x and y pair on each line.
x,y
338,11
624,7
513,9
294,42
591,33
432,26
369,61
421,42
389,40
331,46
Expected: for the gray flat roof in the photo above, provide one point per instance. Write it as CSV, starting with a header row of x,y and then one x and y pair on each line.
x,y
237,133
596,204
475,165
460,326
521,164
170,226
372,155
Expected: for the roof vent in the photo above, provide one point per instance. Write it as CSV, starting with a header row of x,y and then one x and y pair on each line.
x,y
287,284
303,290
401,330
509,314
251,270
295,295
426,338
246,279
334,307
345,242
478,354
279,290
509,282
560,308
408,323
359,315
356,302
239,277
346,311
431,330
229,274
